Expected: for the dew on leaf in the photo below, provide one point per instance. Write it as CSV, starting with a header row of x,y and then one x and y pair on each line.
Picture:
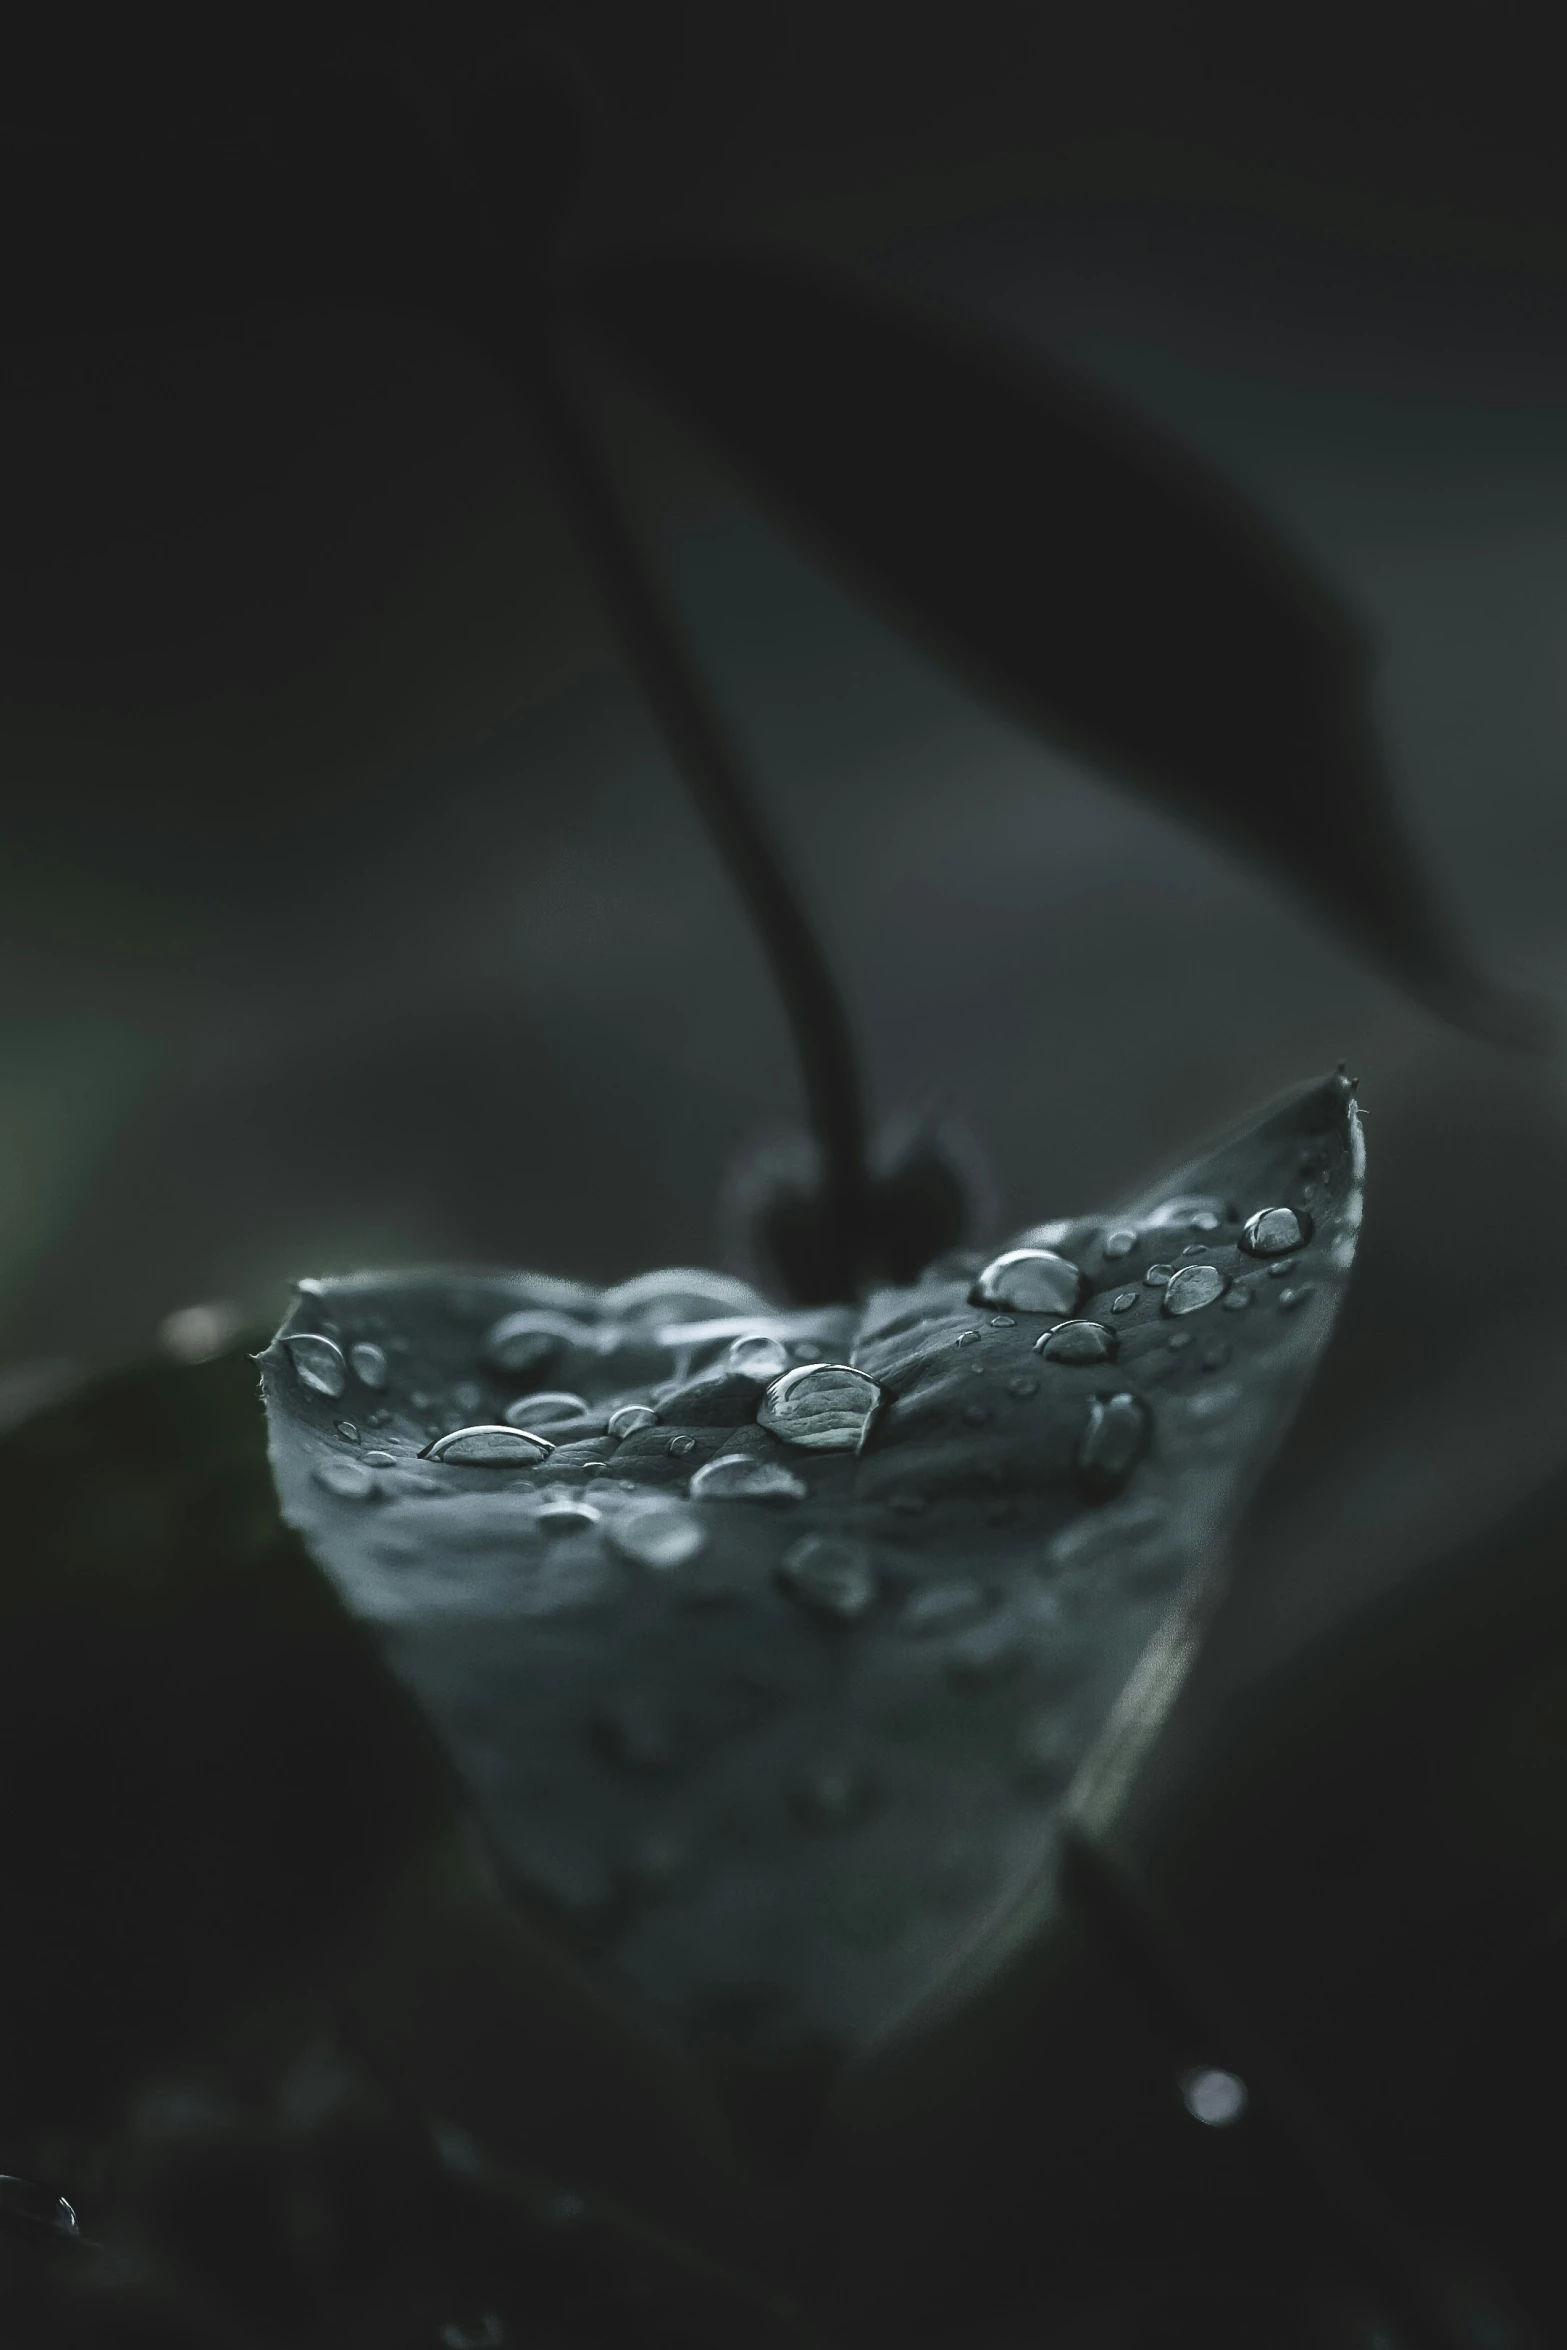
x,y
1273,1232
1237,1299
347,1430
349,1480
1077,1342
368,1362
489,1448
1034,1280
1123,1301
1204,1220
1112,1444
658,1536
756,1356
1119,1243
831,1576
318,1363
1192,1288
1290,1298
823,1407
631,1417
1157,1275
1281,1271
967,1338
680,1445
734,1476
380,1460
1003,1321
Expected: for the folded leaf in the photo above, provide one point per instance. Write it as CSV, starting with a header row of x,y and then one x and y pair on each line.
x,y
766,1644
1062,555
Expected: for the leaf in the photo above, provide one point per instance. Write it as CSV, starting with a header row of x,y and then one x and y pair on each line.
x,y
773,1733
1063,556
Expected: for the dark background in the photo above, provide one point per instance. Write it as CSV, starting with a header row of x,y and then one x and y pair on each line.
x,y
352,912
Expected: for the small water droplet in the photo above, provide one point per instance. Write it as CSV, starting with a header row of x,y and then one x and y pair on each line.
x,y
1213,1403
825,1407
1203,1220
658,1536
545,1410
967,1338
1289,1299
631,1417
1212,2096
346,1429
349,1480
466,1397
830,1576
757,1356
976,1414
1192,1288
1077,1342
1111,1444
380,1460
488,1448
566,1517
1157,1275
1034,1280
369,1364
1273,1232
1123,1301
734,1476
1003,1321
680,1445
1237,1299
942,1607
1280,1272
1195,1248
637,1731
1119,1243
831,1796
1022,1385
1178,1340
318,1363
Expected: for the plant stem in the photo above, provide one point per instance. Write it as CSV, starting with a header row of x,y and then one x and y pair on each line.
x,y
669,680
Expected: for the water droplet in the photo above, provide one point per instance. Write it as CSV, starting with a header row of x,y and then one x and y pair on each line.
x,y
489,1448
1111,1444
1119,1243
976,1414
637,1731
1182,1213
680,1445
595,1468
1157,1275
1022,1385
346,1429
967,1338
734,1476
369,1364
758,1357
194,1334
481,2333
830,1576
380,1460
29,2209
566,1517
349,1480
1213,1403
1290,1298
1123,1301
659,1537
1237,1299
1280,1272
1180,1339
1273,1232
1078,1342
1003,1321
552,1407
831,1796
825,1407
1192,1288
942,1607
308,1286
318,1363
1212,2096
1034,1280
631,1417
1204,1220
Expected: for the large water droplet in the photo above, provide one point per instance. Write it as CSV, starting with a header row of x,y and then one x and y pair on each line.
x,y
318,1363
1111,1444
756,1356
545,1410
1033,1280
1273,1232
631,1417
369,1363
734,1476
489,1448
658,1537
830,1576
349,1480
1192,1288
1078,1342
826,1407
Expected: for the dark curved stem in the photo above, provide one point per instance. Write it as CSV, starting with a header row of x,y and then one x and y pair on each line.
x,y
668,677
